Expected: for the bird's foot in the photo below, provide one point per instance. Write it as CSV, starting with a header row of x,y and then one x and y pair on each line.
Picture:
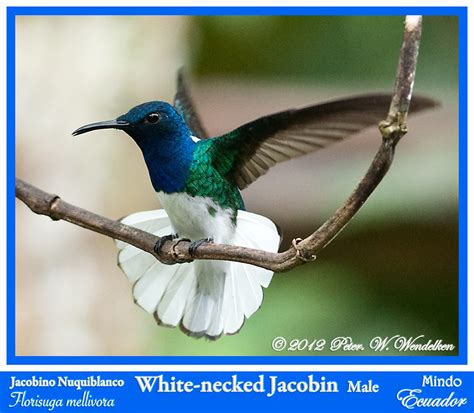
x,y
300,252
159,244
196,244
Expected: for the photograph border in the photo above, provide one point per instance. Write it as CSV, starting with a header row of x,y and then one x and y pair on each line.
x,y
13,359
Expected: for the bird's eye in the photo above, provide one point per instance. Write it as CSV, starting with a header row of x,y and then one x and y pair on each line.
x,y
153,118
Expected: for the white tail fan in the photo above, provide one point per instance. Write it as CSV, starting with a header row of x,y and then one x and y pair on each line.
x,y
206,298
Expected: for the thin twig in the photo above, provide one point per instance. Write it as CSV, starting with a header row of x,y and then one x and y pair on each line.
x,y
392,129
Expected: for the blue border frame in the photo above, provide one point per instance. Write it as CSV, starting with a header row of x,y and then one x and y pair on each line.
x,y
12,358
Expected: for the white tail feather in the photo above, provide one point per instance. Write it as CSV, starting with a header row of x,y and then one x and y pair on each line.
x,y
180,289
207,298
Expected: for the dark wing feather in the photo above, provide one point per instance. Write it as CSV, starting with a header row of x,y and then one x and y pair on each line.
x,y
250,150
185,107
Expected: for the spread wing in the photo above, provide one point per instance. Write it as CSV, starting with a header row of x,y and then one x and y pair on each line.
x,y
185,107
250,150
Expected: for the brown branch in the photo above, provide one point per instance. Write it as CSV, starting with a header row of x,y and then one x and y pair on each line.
x,y
392,129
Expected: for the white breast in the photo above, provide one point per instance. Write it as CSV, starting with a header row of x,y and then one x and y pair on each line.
x,y
198,217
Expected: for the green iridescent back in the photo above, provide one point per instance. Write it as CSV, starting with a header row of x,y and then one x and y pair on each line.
x,y
207,177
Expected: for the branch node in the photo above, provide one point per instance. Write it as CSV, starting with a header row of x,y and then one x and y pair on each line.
x,y
302,253
180,259
53,203
394,127
166,250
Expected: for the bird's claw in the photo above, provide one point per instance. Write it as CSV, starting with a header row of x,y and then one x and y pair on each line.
x,y
196,244
301,253
165,238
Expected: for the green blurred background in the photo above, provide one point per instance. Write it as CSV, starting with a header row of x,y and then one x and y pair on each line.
x,y
393,270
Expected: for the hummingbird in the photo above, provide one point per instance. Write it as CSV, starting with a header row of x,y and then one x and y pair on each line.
x,y
198,181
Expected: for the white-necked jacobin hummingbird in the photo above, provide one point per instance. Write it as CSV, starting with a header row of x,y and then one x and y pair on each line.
x,y
198,182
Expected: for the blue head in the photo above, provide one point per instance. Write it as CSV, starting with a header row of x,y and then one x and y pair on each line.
x,y
163,137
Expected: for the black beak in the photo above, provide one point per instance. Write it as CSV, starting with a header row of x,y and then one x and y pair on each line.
x,y
106,124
